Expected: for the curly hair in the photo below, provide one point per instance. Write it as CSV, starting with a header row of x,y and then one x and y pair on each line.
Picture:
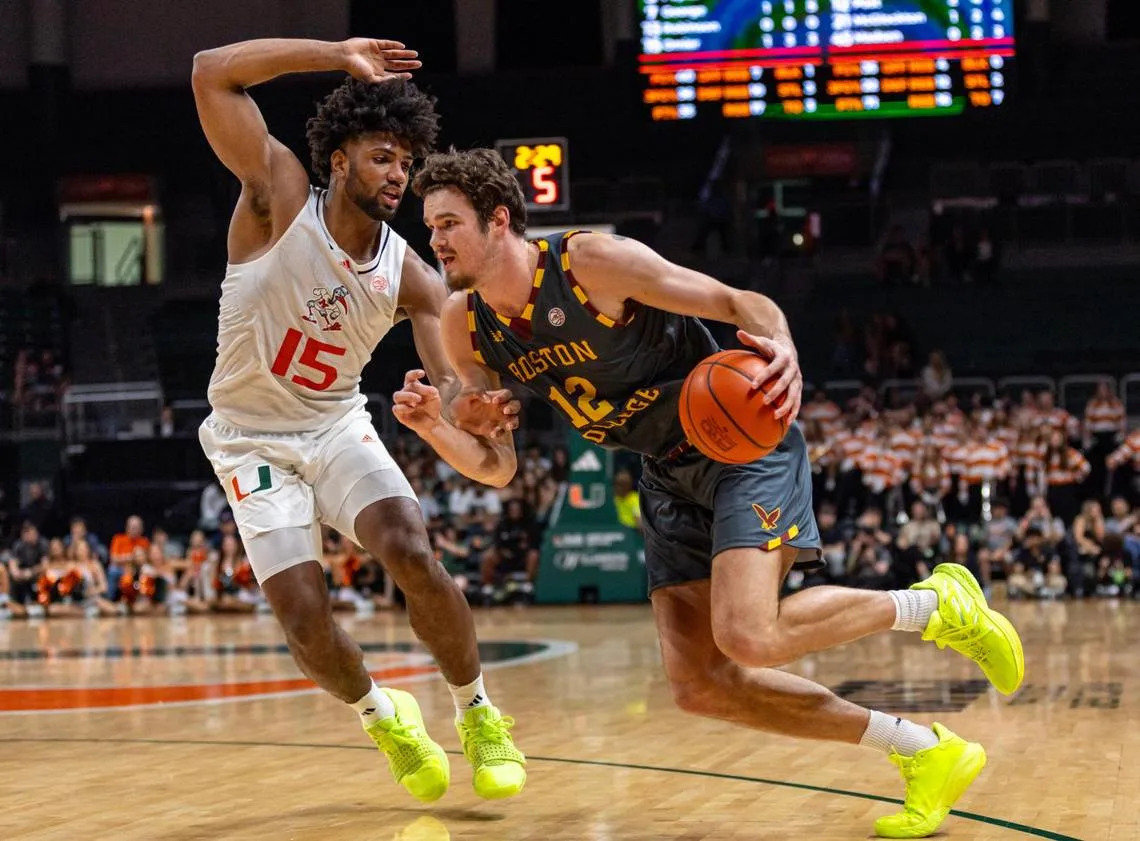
x,y
355,108
482,176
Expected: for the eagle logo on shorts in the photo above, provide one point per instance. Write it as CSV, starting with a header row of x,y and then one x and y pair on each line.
x,y
767,518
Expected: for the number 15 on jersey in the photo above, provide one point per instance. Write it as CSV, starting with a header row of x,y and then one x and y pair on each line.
x,y
309,361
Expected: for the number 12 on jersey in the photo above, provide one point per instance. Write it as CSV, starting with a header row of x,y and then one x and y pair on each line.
x,y
310,358
591,409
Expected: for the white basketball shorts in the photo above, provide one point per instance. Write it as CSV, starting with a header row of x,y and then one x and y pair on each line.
x,y
283,485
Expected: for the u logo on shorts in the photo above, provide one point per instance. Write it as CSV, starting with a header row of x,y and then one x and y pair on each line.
x,y
264,482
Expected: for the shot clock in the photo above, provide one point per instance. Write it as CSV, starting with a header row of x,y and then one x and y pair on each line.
x,y
542,167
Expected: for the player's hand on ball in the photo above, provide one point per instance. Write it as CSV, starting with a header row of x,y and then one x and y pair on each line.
x,y
417,405
487,414
370,60
784,363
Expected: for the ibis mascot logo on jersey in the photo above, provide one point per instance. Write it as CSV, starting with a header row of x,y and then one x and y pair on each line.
x,y
326,306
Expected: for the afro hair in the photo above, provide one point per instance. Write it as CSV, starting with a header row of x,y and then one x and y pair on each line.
x,y
355,107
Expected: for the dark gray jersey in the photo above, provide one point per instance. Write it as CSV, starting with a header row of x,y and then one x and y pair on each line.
x,y
617,383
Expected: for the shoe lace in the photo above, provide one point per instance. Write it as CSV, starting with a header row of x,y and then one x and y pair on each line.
x,y
489,741
397,736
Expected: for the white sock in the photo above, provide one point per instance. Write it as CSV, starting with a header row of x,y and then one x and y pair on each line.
x,y
470,696
374,706
889,733
913,608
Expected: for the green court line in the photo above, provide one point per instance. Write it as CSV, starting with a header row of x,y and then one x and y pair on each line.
x,y
973,816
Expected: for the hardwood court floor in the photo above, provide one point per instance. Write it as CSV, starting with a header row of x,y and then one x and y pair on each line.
x,y
610,757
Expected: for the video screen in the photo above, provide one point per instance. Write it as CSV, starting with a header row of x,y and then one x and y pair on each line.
x,y
823,59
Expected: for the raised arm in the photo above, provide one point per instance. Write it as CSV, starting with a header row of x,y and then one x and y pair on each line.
x,y
274,183
613,270
491,461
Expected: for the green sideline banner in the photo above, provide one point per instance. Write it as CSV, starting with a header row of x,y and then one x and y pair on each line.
x,y
587,555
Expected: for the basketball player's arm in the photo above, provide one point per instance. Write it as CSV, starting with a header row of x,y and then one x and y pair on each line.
x,y
422,295
491,461
274,183
613,270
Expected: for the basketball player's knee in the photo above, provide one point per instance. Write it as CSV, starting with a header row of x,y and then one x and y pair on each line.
x,y
410,561
759,649
308,633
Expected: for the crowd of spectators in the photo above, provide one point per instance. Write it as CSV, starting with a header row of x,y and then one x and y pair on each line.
x,y
488,539
1028,496
1021,492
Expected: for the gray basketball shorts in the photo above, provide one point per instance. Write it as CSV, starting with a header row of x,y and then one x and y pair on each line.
x,y
693,508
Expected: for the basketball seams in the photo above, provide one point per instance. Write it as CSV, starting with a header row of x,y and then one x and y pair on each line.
x,y
728,415
746,376
714,404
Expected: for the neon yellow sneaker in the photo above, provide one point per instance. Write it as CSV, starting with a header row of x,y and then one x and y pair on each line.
x,y
417,763
968,625
935,778
500,767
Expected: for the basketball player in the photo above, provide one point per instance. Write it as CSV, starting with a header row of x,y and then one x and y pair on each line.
x,y
605,330
315,279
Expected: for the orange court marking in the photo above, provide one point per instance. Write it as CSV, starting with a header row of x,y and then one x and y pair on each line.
x,y
66,698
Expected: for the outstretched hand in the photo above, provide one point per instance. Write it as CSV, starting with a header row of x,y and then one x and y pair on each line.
x,y
487,414
783,364
370,60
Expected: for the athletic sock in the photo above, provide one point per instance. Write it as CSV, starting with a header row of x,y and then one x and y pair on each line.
x,y
374,706
889,733
470,696
913,608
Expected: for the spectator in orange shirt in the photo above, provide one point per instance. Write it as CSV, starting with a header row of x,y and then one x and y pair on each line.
x,y
1124,481
930,480
122,551
1050,414
985,469
1103,428
823,409
1065,470
1026,479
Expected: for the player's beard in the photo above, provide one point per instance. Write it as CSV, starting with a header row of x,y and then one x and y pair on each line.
x,y
462,281
457,282
369,203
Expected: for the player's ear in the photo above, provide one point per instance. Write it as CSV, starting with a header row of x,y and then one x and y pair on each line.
x,y
501,218
338,163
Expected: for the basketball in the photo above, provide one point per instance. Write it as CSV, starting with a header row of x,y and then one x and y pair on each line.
x,y
723,415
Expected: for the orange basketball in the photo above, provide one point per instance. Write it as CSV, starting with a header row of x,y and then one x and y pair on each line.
x,y
723,415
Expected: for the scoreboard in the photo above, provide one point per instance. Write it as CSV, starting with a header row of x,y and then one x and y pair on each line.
x,y
823,59
542,167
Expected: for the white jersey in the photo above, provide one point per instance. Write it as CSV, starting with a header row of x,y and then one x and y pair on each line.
x,y
298,324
